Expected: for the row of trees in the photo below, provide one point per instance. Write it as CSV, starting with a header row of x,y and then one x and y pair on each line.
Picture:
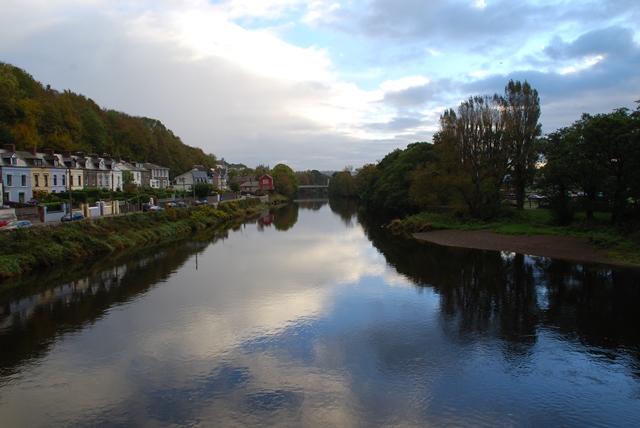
x,y
597,158
491,146
35,116
488,140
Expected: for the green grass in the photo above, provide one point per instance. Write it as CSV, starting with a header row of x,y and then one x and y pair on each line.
x,y
24,249
620,247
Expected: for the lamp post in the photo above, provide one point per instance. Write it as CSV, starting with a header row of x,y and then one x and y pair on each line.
x,y
69,185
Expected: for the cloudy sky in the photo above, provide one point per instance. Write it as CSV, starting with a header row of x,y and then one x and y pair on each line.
x,y
324,84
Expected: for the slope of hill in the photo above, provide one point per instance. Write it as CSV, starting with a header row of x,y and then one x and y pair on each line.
x,y
32,115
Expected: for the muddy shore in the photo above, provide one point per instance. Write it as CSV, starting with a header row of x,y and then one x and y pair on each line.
x,y
559,247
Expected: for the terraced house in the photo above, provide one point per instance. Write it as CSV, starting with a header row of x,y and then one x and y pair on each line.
x,y
25,172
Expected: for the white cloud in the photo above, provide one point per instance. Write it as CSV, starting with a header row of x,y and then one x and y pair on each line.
x,y
318,82
587,63
403,83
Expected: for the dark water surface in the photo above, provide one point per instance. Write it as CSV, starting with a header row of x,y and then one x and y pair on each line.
x,y
312,317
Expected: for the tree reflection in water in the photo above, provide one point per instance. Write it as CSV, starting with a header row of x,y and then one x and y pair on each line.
x,y
511,297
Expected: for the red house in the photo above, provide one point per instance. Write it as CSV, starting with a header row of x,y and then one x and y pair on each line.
x,y
251,185
266,182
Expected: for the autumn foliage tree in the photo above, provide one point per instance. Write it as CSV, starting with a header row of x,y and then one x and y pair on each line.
x,y
285,180
32,115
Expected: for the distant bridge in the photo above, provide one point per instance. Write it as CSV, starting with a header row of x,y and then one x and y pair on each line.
x,y
313,186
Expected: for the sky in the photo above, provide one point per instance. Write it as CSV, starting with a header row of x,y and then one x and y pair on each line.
x,y
324,84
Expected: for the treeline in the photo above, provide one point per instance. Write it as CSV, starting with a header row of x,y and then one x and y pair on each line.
x,y
490,150
597,158
312,177
32,115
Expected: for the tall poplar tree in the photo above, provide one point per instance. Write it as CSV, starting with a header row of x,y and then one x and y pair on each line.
x,y
473,154
522,111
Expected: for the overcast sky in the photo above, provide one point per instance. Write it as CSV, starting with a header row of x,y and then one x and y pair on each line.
x,y
324,84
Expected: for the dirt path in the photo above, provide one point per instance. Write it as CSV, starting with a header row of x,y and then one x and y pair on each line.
x,y
559,247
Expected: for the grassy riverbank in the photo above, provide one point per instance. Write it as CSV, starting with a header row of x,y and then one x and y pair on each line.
x,y
620,246
24,249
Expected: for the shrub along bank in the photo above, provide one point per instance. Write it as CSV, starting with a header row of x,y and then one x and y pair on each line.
x,y
23,249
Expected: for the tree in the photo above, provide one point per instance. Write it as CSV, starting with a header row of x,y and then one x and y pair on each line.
x,y
6,137
202,190
559,151
473,154
599,155
303,178
127,177
522,110
342,184
385,186
285,180
616,138
259,171
234,185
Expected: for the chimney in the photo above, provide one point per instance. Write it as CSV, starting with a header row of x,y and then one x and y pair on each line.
x,y
48,152
10,147
31,150
66,153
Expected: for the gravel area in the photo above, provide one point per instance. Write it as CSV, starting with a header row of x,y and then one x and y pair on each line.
x,y
559,247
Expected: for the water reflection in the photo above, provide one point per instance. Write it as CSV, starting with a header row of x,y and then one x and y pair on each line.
x,y
34,314
286,217
346,208
318,327
512,296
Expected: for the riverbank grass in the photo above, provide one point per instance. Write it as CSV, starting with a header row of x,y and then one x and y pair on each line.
x,y
24,249
621,246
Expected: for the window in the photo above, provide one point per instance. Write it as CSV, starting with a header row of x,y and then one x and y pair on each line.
x,y
24,180
55,180
36,180
46,180
64,180
14,160
9,180
79,181
37,162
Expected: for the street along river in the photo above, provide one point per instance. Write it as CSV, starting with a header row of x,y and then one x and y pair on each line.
x,y
312,316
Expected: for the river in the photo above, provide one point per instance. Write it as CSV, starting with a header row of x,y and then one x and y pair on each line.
x,y
312,316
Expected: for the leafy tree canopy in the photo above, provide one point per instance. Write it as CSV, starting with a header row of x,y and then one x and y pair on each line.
x,y
285,180
35,116
385,186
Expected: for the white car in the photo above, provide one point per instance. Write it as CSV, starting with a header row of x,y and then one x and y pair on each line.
x,y
17,223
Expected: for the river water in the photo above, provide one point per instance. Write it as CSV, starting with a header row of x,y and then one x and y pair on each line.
x,y
312,316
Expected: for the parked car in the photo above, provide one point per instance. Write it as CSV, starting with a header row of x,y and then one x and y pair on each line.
x,y
176,204
151,207
34,201
73,217
202,202
17,223
3,223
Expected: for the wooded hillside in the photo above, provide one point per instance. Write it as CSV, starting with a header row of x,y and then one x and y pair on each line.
x,y
32,115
